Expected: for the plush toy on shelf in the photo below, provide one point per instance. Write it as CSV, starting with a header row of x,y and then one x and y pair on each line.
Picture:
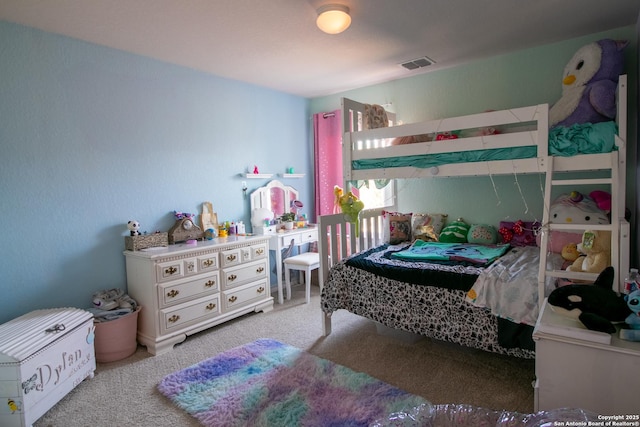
x,y
589,83
134,228
596,247
569,254
597,306
632,333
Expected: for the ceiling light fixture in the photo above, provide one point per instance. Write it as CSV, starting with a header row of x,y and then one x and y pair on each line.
x,y
333,18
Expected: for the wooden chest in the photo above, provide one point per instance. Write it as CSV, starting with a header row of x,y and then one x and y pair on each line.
x,y
43,356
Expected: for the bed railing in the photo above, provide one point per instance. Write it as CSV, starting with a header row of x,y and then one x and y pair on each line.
x,y
337,240
519,128
337,237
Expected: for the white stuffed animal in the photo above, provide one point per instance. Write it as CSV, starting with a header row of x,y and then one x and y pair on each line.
x,y
134,228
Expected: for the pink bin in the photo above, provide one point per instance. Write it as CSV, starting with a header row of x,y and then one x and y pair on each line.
x,y
116,339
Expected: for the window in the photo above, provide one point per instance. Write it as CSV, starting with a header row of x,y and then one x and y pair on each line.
x,y
374,197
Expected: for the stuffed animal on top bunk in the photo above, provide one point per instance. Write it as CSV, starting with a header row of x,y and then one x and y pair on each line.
x,y
597,306
589,85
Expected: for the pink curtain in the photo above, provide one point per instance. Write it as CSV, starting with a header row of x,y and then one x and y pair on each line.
x,y
328,159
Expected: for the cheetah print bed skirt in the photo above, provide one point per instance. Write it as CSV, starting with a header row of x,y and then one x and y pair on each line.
x,y
434,312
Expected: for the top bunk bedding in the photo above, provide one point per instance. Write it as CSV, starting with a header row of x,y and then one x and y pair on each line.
x,y
494,142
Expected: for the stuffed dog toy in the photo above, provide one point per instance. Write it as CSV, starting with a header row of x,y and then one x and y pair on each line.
x,y
597,306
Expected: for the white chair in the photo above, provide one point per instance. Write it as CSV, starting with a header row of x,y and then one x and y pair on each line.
x,y
306,262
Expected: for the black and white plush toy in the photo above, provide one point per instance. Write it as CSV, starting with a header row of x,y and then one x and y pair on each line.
x,y
134,228
597,306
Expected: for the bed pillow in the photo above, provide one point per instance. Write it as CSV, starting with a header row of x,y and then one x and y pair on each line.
x,y
559,239
482,234
427,226
456,232
519,233
397,227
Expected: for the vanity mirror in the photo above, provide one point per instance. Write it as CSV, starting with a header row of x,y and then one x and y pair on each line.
x,y
274,197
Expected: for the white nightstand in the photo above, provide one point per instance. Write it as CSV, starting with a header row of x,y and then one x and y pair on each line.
x,y
575,367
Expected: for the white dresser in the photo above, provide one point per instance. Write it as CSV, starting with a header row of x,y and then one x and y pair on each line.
x,y
579,368
184,289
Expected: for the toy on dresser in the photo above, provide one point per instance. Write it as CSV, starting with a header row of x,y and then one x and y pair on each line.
x,y
134,228
632,331
597,306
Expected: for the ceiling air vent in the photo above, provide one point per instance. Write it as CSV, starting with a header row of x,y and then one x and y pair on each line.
x,y
414,64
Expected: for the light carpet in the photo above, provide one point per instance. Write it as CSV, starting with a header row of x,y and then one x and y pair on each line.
x,y
269,383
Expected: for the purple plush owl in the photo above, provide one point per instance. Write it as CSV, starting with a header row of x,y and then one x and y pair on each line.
x,y
589,85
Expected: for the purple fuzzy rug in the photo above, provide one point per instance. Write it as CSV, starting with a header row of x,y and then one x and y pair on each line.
x,y
268,383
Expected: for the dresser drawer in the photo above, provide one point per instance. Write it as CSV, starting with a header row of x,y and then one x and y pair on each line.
x,y
259,251
244,296
231,257
236,276
187,314
207,262
175,293
170,270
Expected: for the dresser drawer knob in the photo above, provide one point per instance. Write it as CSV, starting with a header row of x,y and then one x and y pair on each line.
x,y
210,283
232,277
174,318
173,293
170,270
260,290
259,251
208,263
211,306
233,299
231,258
260,270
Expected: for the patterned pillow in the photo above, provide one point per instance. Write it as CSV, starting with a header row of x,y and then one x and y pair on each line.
x,y
397,227
426,226
456,232
483,234
519,233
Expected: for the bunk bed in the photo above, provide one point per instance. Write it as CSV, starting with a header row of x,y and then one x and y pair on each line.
x,y
434,306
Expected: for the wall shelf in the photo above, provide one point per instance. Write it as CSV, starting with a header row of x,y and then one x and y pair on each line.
x,y
258,175
292,175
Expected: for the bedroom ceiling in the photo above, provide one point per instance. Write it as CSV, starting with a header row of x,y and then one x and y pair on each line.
x,y
276,44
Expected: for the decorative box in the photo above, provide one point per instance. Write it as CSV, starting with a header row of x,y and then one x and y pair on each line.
x,y
135,243
261,230
43,356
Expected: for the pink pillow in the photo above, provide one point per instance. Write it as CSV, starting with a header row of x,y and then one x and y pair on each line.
x,y
559,239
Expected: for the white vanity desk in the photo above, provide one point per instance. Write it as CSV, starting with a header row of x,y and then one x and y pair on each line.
x,y
276,198
282,240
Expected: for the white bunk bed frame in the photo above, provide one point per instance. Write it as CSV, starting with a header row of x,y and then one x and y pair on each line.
x,y
531,129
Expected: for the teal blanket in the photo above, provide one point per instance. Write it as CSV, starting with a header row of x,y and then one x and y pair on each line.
x,y
465,252
578,139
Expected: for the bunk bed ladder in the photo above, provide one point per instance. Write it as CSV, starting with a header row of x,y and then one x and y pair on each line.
x,y
554,179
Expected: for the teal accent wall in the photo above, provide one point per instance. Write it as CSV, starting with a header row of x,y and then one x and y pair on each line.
x,y
91,137
527,77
